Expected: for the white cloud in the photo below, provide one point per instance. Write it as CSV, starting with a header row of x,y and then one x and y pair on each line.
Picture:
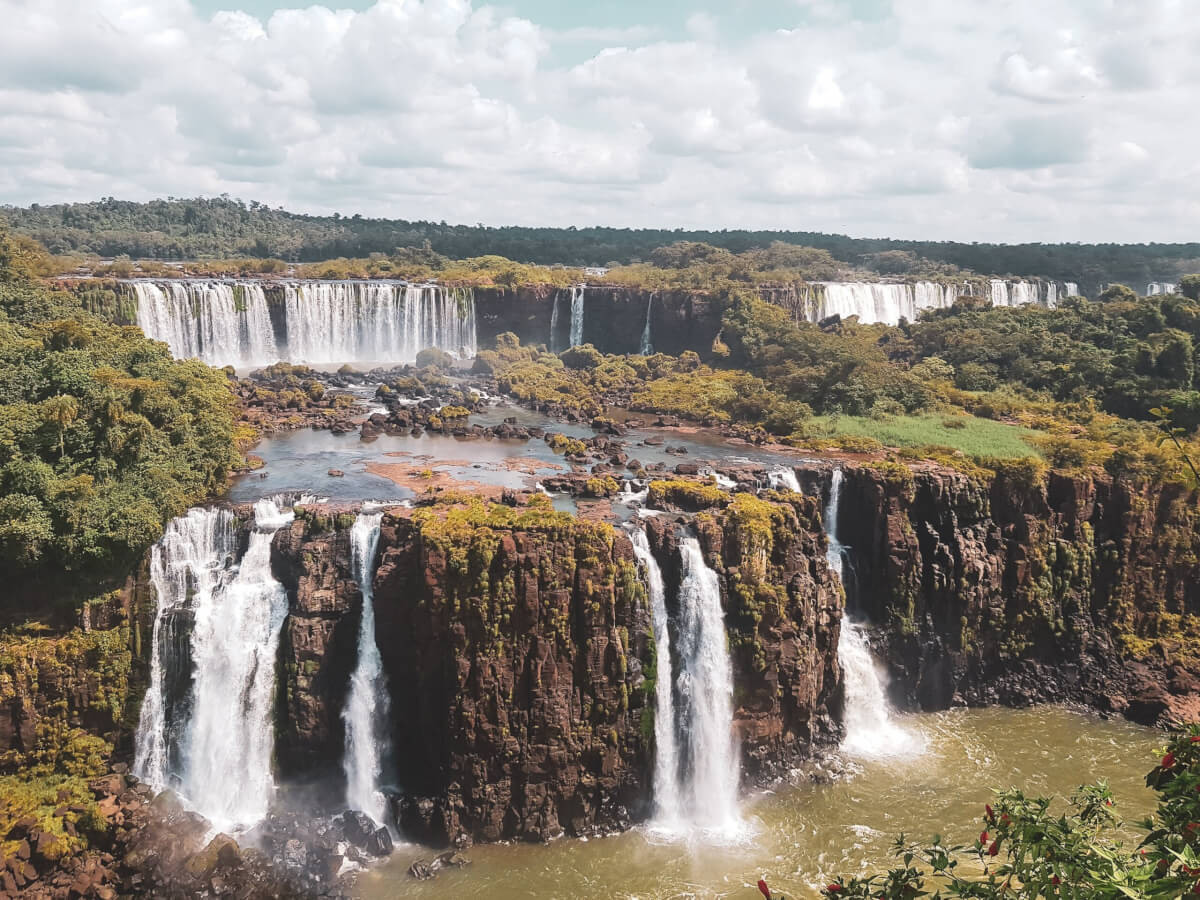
x,y
924,118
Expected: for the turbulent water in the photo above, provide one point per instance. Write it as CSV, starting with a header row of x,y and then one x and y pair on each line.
x,y
578,294
318,322
646,348
784,478
870,729
367,705
667,810
216,748
705,685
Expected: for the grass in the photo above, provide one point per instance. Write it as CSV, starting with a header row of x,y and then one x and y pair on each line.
x,y
973,436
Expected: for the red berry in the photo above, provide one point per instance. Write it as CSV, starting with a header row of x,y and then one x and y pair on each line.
x,y
994,849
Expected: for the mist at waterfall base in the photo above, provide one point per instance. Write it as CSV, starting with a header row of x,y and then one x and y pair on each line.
x,y
870,727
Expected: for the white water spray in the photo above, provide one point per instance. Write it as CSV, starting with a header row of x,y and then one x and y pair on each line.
x,y
367,705
647,345
554,323
225,750
666,748
230,323
784,478
870,730
577,298
705,685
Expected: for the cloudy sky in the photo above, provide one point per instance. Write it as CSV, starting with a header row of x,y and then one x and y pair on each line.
x,y
1004,120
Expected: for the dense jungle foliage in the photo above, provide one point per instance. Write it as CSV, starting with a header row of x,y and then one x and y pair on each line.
x,y
102,436
222,227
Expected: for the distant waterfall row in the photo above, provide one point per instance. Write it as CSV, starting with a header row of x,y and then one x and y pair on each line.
x,y
207,726
316,322
879,302
696,767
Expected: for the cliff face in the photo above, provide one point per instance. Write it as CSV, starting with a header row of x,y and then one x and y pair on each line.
x,y
614,318
1030,589
318,648
521,661
783,609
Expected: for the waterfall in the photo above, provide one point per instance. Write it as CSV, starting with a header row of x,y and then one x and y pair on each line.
x,y
230,323
870,730
647,345
784,478
705,685
219,322
577,296
666,750
366,709
220,758
1160,287
876,302
1071,289
554,323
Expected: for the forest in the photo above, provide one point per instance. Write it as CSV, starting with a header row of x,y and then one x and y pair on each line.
x,y
221,227
102,437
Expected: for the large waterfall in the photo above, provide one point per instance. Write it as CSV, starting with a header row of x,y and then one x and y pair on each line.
x,y
220,322
1160,287
214,739
367,705
317,322
705,685
577,301
880,302
870,730
666,748
647,345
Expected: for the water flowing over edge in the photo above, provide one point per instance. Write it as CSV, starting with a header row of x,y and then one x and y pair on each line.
x,y
233,323
870,730
578,295
219,758
667,812
366,711
705,686
646,347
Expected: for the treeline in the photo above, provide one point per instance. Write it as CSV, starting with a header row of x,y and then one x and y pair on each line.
x,y
103,436
206,228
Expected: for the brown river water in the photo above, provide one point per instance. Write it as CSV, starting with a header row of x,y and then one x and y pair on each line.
x,y
799,836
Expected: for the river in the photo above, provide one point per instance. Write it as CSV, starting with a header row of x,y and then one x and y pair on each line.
x,y
798,837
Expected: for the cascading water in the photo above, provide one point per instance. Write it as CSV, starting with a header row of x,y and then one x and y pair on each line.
x,y
320,322
870,730
705,685
1160,287
577,297
367,705
219,322
220,758
647,345
554,323
784,478
666,749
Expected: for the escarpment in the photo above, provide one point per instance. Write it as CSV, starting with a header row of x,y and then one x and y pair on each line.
x,y
522,662
1030,588
783,609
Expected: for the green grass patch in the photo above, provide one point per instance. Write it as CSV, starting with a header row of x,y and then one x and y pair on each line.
x,y
974,437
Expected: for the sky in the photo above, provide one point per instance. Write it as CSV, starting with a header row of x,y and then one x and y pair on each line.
x,y
988,120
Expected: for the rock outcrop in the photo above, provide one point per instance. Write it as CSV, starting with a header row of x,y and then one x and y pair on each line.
x,y
519,648
1034,587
